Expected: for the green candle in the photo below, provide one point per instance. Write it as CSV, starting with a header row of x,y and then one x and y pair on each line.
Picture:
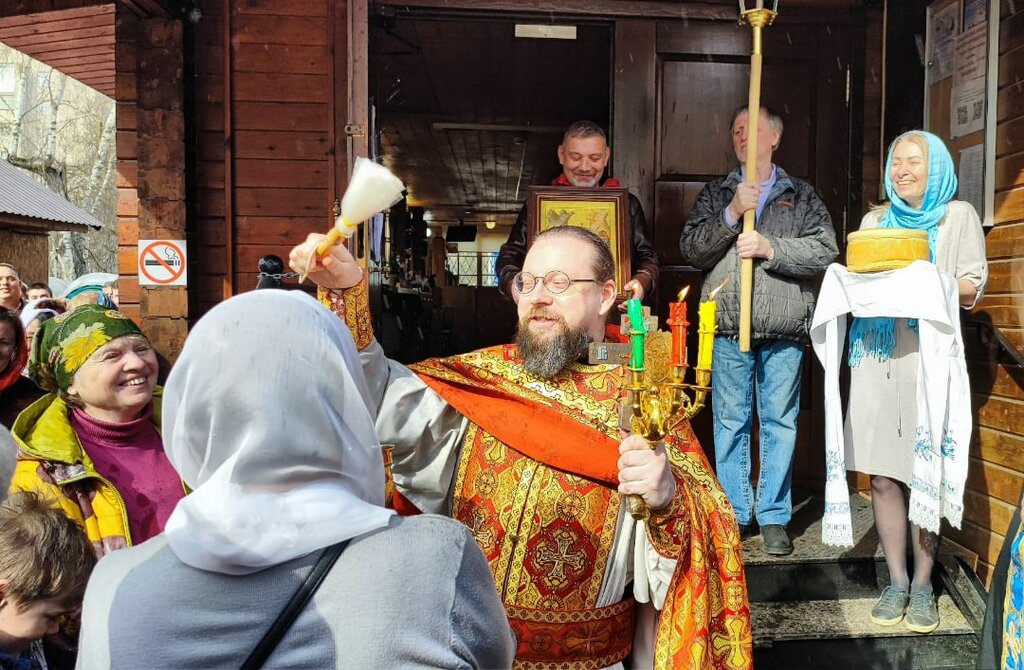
x,y
637,330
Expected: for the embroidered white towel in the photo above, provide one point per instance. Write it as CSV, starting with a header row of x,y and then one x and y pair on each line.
x,y
923,292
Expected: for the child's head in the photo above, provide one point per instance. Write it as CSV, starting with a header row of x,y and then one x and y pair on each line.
x,y
45,561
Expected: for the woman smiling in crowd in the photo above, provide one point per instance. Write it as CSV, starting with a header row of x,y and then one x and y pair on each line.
x,y
93,441
16,391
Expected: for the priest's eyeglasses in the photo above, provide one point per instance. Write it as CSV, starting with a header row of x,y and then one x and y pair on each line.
x,y
555,281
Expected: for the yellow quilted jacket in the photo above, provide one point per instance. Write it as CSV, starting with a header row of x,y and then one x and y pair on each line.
x,y
52,462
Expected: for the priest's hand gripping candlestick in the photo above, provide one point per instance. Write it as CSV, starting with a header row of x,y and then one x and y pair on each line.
x,y
655,407
757,16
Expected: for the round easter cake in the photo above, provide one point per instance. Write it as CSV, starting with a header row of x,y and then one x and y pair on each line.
x,y
879,249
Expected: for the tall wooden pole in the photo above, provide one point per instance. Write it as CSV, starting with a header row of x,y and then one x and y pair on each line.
x,y
758,19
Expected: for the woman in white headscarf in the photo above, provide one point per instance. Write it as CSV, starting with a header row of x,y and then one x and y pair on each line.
x,y
265,416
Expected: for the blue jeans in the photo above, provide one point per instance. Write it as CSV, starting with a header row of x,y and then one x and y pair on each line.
x,y
771,370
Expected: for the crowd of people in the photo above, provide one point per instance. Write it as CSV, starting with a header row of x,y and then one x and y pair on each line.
x,y
270,533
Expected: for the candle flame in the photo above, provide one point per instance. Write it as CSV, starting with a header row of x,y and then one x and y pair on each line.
x,y
711,296
682,293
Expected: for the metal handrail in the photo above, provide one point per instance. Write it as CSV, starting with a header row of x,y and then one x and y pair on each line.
x,y
1003,342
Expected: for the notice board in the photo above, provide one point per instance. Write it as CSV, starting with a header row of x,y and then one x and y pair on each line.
x,y
961,56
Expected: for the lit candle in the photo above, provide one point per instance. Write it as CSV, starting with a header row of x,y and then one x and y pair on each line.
x,y
678,324
637,330
706,328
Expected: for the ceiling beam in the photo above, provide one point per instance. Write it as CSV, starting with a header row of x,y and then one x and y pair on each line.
x,y
499,128
604,8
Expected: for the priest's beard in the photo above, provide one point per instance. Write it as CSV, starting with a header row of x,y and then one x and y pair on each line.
x,y
546,357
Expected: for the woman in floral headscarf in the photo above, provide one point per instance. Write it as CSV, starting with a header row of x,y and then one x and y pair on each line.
x,y
93,441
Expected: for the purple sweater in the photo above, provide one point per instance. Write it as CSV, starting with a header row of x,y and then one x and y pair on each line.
x,y
131,456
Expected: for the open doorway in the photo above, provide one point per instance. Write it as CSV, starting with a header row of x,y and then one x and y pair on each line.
x,y
468,115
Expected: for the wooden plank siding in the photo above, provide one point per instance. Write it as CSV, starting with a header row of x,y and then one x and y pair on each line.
x,y
78,42
278,168
996,472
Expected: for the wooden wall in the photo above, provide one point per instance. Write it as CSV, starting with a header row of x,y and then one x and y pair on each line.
x,y
28,252
265,130
150,167
996,472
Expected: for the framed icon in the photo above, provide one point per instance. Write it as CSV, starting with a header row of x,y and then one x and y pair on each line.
x,y
604,211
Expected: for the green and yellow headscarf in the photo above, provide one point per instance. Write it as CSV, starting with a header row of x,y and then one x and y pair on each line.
x,y
65,342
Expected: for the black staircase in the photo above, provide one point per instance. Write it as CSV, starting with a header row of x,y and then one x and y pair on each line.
x,y
811,609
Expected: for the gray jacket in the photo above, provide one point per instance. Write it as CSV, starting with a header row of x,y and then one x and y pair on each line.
x,y
799,228
416,594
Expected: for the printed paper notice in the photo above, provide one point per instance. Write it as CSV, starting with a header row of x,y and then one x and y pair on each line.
x,y
971,56
967,99
972,177
941,41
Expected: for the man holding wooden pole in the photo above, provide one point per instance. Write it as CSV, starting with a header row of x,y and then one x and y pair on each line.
x,y
792,243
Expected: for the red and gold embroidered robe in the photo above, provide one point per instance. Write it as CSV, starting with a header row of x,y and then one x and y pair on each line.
x,y
534,477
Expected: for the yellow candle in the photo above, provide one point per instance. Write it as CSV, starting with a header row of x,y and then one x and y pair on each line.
x,y
706,334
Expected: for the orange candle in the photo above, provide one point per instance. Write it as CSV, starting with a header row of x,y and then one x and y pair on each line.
x,y
678,324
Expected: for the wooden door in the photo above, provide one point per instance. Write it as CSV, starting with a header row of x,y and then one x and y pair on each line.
x,y
700,76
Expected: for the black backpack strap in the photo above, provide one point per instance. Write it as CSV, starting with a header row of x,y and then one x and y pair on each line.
x,y
291,611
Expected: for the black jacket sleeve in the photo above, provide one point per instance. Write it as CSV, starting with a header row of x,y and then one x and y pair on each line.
x,y
646,267
511,255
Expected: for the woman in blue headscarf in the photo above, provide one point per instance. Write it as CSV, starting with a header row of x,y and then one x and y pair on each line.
x,y
881,421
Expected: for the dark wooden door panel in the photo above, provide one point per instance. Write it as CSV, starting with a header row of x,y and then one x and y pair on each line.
x,y
697,102
699,99
672,201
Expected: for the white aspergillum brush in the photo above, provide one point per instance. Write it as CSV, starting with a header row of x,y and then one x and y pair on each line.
x,y
372,189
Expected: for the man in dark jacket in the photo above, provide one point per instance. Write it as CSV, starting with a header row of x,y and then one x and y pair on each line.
x,y
584,154
793,242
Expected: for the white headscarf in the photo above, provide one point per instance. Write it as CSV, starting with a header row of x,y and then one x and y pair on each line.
x,y
32,311
265,416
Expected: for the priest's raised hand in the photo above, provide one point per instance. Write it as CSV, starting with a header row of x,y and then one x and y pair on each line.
x,y
337,269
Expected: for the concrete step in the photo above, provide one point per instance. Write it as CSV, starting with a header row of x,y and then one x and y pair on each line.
x,y
815,571
839,635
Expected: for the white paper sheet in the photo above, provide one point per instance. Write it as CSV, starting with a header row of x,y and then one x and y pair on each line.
x,y
972,177
942,29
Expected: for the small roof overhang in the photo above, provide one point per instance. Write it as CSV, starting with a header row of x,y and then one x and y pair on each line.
x,y
27,205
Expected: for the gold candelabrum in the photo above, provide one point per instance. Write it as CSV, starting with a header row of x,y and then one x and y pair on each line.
x,y
656,404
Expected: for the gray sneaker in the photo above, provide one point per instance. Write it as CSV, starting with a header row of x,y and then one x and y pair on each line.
x,y
891,606
923,613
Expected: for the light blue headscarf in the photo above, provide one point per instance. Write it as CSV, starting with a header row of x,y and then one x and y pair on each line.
x,y
877,336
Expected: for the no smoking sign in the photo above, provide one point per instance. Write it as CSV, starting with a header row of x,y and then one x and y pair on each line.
x,y
162,263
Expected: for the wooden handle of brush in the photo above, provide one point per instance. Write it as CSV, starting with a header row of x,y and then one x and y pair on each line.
x,y
333,239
